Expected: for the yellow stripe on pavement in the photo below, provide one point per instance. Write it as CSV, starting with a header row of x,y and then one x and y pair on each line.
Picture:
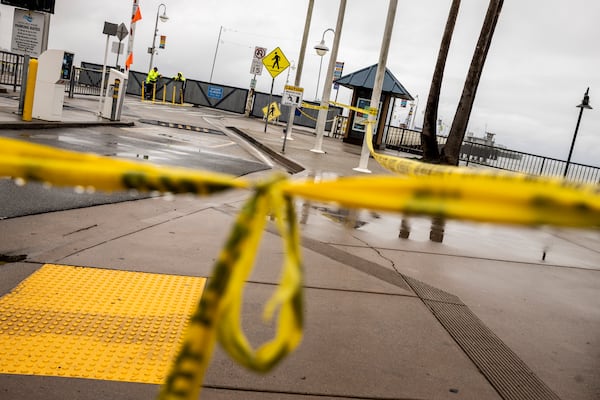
x,y
95,323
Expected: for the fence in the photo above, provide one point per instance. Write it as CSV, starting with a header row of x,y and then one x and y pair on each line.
x,y
221,97
11,69
409,141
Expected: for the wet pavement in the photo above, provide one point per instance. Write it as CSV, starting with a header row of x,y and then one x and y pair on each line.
x,y
491,312
197,146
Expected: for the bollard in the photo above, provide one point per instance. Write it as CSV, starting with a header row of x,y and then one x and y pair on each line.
x,y
436,234
24,73
30,90
164,94
115,100
404,228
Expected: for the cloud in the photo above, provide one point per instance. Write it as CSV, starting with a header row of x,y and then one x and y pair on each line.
x,y
543,57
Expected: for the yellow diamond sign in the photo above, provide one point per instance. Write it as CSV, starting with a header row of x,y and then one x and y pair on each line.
x,y
275,62
272,111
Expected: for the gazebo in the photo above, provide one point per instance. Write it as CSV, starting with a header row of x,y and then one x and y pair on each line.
x,y
362,82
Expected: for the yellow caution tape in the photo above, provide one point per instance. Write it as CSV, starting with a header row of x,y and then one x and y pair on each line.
x,y
472,197
369,110
421,189
33,162
306,115
219,310
311,117
313,107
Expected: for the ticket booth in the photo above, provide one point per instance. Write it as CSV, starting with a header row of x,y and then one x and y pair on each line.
x,y
54,71
362,82
115,94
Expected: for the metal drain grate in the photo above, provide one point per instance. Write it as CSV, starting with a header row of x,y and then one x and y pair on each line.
x,y
506,372
428,292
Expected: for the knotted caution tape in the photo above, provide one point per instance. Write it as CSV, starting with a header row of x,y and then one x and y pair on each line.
x,y
219,312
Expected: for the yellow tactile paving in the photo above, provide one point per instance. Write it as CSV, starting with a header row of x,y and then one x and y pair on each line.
x,y
95,323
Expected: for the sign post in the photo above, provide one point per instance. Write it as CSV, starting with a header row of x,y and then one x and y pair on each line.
x,y
275,62
255,69
292,96
109,30
122,33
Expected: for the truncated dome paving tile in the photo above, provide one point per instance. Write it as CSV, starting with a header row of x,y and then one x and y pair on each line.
x,y
95,323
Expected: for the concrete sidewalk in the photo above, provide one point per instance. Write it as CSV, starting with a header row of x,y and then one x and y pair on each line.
x,y
479,316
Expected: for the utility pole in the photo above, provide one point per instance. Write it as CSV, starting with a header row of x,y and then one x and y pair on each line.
x,y
378,86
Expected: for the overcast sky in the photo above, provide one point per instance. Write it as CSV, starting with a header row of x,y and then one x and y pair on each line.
x,y
544,55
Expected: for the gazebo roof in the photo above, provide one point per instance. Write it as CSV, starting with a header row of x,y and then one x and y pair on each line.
x,y
365,78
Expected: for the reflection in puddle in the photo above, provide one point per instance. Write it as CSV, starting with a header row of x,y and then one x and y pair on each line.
x,y
349,218
354,218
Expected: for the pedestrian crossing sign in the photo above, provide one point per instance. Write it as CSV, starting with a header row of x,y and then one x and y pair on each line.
x,y
275,62
272,111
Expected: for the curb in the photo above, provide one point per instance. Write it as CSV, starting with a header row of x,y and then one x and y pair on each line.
x,y
291,166
180,126
59,124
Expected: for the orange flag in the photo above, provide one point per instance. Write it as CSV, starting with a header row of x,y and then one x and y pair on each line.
x,y
137,16
129,61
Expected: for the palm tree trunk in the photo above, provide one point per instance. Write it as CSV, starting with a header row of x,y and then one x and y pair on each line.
x,y
429,133
451,151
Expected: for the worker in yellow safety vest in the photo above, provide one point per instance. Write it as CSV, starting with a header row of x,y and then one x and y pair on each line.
x,y
179,87
151,81
179,77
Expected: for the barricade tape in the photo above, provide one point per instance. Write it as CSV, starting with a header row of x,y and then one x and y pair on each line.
x,y
313,107
372,111
306,115
450,192
311,117
218,313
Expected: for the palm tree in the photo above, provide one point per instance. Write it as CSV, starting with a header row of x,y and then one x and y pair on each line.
x,y
429,133
451,151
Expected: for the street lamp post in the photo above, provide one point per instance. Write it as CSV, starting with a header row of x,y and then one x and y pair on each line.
x,y
163,18
378,84
321,49
324,107
585,103
299,67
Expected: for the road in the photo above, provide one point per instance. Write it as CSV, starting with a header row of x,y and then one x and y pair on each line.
x,y
200,143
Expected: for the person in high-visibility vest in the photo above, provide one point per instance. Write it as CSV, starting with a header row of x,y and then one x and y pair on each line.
x,y
151,81
179,77
179,80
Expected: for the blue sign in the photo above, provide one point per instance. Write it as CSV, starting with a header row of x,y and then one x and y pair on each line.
x,y
215,92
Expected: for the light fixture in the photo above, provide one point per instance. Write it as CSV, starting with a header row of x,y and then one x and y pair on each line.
x,y
585,104
321,48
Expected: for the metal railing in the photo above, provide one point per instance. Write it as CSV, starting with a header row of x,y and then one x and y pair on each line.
x,y
409,141
11,69
85,81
